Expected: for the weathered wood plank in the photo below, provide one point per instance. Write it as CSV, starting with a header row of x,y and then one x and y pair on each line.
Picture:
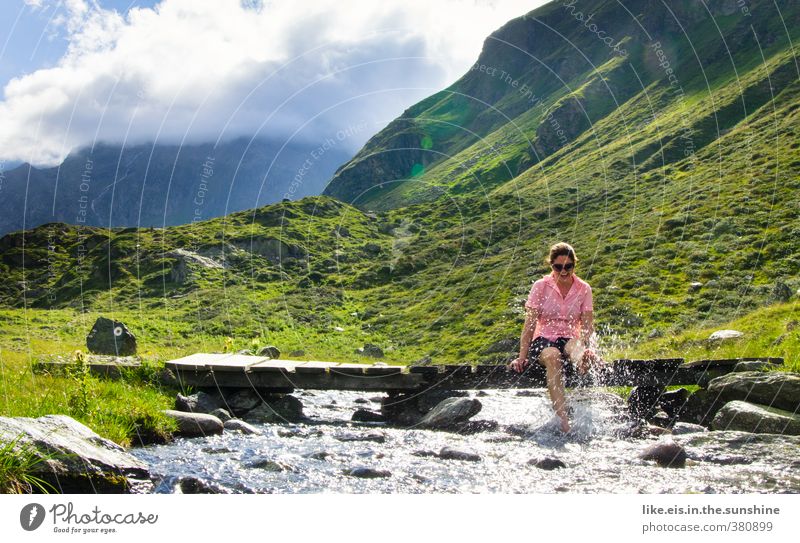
x,y
217,362
275,366
314,367
347,369
383,370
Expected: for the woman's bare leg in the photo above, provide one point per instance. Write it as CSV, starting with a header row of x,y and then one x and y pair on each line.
x,y
575,352
550,358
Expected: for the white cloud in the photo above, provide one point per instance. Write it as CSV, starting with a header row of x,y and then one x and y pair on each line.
x,y
208,69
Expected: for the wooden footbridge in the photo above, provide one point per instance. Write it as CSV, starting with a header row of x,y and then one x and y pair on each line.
x,y
244,371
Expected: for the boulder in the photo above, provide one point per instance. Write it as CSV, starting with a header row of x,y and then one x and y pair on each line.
x,y
722,335
407,409
367,473
285,408
185,261
370,350
547,463
237,425
200,402
666,454
773,389
682,428
365,415
746,417
111,337
451,412
71,458
242,401
644,400
375,437
221,414
448,453
195,424
673,401
270,351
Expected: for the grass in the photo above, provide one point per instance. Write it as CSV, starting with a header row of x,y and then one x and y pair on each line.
x,y
17,465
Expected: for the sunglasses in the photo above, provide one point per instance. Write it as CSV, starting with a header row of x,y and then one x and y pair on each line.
x,y
568,266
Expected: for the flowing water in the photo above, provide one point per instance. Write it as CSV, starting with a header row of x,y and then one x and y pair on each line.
x,y
320,456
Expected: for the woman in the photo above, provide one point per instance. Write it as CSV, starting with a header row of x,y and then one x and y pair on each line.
x,y
558,325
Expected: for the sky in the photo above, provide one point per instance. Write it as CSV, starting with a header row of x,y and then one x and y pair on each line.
x,y
75,72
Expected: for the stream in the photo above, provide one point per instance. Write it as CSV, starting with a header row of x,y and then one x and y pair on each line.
x,y
329,454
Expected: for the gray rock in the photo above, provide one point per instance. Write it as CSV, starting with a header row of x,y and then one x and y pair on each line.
x,y
370,350
199,402
759,419
110,337
681,428
666,454
318,455
722,335
700,408
774,389
365,415
221,414
367,473
242,401
270,351
236,425
547,463
269,465
742,448
448,453
73,458
185,261
195,424
193,485
375,437
278,409
754,365
451,412
643,401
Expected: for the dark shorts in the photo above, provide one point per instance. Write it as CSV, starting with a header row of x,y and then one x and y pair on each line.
x,y
540,344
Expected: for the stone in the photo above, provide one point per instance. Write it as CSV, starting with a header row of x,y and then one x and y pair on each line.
x,y
110,337
286,408
361,400
451,412
367,473
722,335
681,428
476,426
200,402
448,453
370,350
242,401
774,389
365,415
408,409
318,455
375,437
193,485
73,458
673,401
758,419
547,463
195,424
185,261
269,465
237,425
221,414
666,454
270,351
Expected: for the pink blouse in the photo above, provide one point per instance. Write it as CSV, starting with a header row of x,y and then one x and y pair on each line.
x,y
559,316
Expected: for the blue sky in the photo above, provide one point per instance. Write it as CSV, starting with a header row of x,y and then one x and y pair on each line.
x,y
75,72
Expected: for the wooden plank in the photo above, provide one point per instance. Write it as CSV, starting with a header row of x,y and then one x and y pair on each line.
x,y
383,370
314,367
275,366
217,362
424,370
347,369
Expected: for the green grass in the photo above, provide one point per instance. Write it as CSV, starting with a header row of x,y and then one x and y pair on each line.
x,y
17,464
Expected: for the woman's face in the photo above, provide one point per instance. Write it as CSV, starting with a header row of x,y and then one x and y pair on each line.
x,y
563,266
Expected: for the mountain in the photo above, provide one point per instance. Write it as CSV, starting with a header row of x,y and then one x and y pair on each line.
x,y
659,138
163,185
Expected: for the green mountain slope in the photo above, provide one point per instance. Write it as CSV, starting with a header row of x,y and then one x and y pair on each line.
x,y
669,159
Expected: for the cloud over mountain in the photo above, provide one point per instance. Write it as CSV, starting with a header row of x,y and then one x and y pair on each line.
x,y
208,70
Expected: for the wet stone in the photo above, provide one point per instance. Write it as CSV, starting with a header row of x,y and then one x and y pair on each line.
x,y
448,453
666,454
365,415
221,414
367,473
236,425
547,463
318,455
374,437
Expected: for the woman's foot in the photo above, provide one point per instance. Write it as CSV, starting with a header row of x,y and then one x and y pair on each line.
x,y
565,425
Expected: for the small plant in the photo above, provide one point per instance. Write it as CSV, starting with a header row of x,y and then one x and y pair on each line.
x,y
228,345
17,462
79,373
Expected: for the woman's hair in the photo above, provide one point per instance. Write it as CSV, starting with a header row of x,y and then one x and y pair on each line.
x,y
562,249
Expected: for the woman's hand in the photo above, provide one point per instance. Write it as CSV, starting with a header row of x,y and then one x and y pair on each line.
x,y
518,365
